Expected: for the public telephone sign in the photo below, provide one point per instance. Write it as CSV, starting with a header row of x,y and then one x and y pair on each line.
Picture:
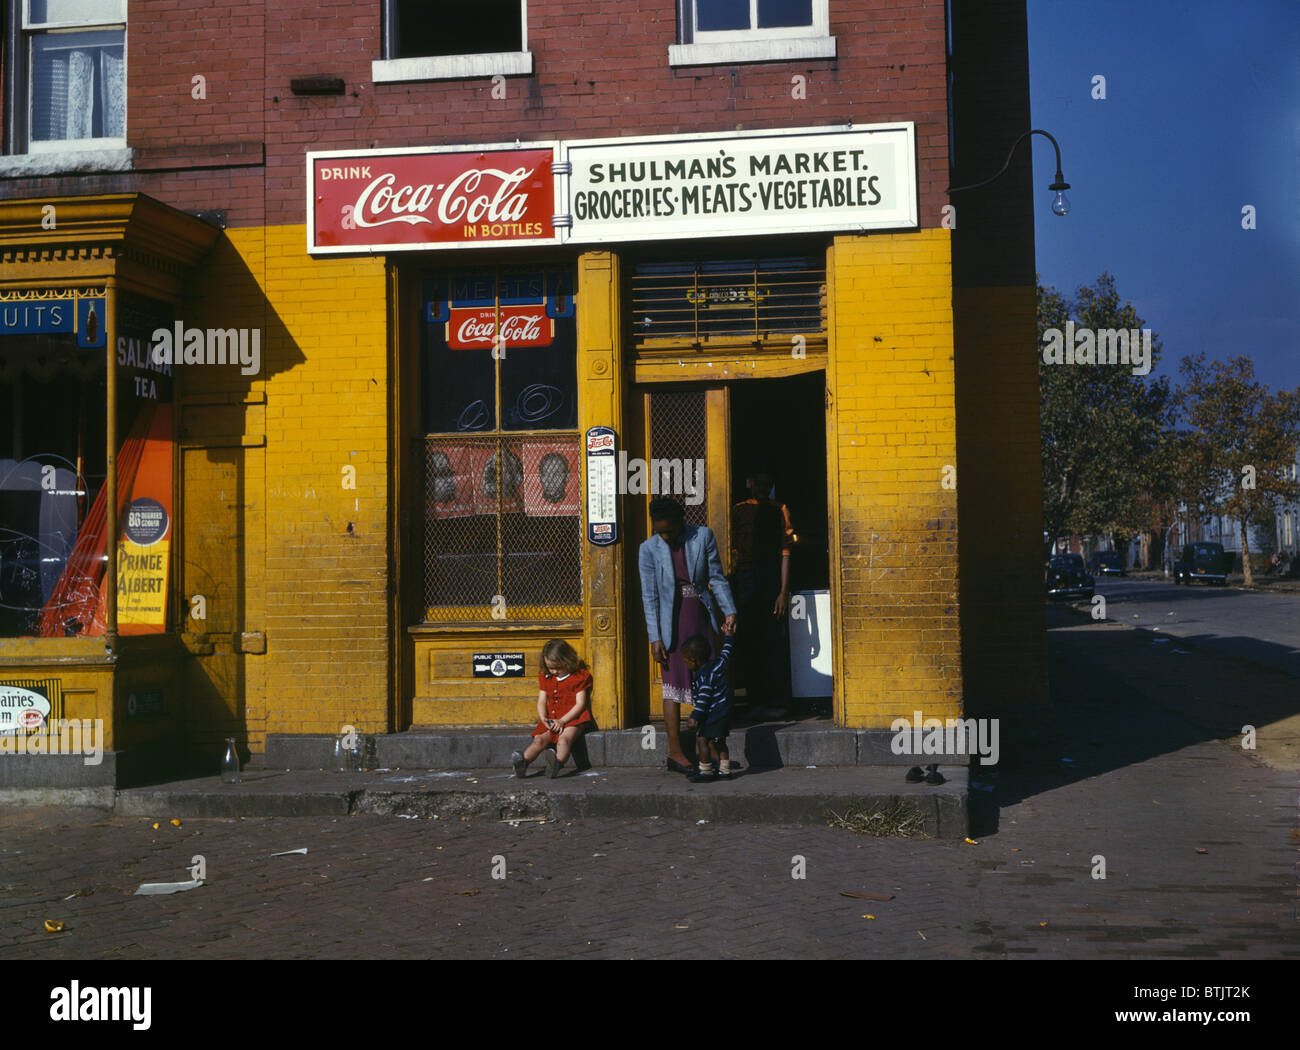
x,y
462,197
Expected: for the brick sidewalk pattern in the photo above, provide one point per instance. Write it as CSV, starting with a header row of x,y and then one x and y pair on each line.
x,y
1119,770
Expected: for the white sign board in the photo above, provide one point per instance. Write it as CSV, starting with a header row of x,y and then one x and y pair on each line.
x,y
743,183
22,711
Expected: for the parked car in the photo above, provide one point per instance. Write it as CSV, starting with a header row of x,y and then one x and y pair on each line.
x,y
1067,578
1203,561
1106,563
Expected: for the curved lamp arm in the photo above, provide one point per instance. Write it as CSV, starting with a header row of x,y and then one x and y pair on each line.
x,y
1060,205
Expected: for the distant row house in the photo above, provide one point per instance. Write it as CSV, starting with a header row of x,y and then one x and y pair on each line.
x,y
1287,518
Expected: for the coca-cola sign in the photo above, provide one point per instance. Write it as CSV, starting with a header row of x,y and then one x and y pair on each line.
x,y
520,326
752,183
411,199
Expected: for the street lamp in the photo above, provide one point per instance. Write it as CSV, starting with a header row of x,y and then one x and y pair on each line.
x,y
1060,203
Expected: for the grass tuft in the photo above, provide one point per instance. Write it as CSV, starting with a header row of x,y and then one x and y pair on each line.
x,y
892,821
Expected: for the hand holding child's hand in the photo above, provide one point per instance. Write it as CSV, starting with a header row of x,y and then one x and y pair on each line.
x,y
690,723
729,625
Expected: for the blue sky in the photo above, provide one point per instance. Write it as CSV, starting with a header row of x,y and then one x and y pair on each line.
x,y
1201,117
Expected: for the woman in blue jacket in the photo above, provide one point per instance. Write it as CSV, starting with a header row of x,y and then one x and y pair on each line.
x,y
682,591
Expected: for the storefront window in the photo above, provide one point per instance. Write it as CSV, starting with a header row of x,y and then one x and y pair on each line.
x,y
500,453
53,388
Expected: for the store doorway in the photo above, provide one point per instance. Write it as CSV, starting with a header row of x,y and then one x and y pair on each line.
x,y
778,436
738,429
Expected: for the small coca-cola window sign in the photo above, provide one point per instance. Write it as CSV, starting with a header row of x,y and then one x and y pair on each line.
x,y
404,200
476,328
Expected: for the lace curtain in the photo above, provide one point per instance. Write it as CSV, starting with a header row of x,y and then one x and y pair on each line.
x,y
78,92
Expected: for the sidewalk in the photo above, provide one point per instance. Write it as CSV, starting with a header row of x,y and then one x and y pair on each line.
x,y
1137,767
1262,581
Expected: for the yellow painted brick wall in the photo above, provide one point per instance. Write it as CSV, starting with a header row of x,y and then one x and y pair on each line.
x,y
892,431
313,554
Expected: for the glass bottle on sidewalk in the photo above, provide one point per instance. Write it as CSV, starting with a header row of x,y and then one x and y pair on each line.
x,y
230,763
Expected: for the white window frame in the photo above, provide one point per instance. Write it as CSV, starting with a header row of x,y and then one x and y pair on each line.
x,y
780,44
820,26
457,67
28,32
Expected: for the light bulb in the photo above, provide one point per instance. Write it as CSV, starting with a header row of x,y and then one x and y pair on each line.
x,y
1061,203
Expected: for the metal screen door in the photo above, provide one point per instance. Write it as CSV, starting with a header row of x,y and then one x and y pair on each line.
x,y
684,429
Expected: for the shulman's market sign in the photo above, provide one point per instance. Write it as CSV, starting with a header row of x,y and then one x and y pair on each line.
x,y
607,190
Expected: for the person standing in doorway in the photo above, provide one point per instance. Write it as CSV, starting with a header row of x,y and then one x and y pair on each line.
x,y
683,593
762,539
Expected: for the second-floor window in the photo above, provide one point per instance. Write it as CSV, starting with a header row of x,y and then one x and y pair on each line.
x,y
425,41
66,79
724,20
418,29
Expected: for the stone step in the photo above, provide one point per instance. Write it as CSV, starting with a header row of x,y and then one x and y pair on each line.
x,y
788,795
769,745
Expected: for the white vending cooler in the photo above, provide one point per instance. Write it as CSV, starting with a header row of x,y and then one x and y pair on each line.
x,y
811,670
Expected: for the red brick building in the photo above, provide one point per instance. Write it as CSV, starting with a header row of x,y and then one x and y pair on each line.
x,y
156,169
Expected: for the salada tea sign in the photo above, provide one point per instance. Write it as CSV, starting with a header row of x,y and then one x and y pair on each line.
x,y
743,183
463,197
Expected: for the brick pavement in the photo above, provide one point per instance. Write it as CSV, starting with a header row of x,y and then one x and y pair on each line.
x,y
1147,784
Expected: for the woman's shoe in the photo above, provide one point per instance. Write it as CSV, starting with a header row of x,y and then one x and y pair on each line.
x,y
914,775
517,761
677,767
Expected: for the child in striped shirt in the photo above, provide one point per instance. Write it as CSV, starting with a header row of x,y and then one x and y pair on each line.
x,y
711,697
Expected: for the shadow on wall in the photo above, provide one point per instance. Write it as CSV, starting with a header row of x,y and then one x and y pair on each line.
x,y
222,426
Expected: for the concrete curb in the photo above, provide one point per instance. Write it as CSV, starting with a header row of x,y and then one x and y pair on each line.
x,y
780,796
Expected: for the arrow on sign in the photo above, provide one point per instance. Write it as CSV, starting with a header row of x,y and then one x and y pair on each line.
x,y
514,667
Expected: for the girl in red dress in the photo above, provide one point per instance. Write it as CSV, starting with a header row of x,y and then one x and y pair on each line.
x,y
563,708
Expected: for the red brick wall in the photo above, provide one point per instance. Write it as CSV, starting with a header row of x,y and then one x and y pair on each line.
x,y
599,70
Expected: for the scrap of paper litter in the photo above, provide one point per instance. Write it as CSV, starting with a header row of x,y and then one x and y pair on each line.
x,y
154,889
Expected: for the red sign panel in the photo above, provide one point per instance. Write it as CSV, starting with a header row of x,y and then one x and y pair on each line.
x,y
476,328
431,200
550,479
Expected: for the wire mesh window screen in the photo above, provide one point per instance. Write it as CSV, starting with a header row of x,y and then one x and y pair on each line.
x,y
501,516
502,528
729,300
678,441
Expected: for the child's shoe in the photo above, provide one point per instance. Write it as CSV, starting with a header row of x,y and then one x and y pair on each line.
x,y
701,777
552,764
517,760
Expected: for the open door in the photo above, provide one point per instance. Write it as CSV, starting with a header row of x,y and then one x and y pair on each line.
x,y
674,428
